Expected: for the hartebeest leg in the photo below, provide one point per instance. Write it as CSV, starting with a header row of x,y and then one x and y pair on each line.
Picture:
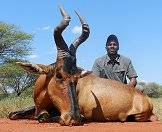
x,y
42,102
27,113
41,98
48,115
45,112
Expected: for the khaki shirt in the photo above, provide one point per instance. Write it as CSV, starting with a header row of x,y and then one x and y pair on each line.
x,y
118,70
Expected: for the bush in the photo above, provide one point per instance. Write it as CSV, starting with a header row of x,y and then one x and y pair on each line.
x,y
153,90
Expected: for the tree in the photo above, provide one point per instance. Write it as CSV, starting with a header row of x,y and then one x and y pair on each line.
x,y
14,44
13,78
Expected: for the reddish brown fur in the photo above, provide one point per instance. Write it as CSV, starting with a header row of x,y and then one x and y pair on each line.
x,y
99,99
115,101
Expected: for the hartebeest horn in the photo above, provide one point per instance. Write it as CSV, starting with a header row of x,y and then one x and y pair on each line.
x,y
61,45
82,38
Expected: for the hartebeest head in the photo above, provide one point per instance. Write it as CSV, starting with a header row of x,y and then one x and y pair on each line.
x,y
62,87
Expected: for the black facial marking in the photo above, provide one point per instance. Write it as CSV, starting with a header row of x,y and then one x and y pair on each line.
x,y
69,65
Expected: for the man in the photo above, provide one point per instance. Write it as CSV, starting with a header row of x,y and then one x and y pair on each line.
x,y
113,65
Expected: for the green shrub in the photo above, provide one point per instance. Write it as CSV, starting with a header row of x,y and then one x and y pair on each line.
x,y
153,90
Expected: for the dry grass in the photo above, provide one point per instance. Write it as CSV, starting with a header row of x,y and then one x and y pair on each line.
x,y
17,103
158,107
12,104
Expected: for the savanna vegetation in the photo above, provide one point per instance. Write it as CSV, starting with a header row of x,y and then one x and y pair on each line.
x,y
15,45
15,83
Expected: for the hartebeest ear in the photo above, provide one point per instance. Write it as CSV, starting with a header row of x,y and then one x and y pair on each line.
x,y
32,68
85,73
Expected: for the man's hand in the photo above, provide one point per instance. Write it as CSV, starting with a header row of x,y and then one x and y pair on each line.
x,y
132,82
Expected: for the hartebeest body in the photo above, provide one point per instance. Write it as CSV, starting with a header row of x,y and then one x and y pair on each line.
x,y
102,99
62,89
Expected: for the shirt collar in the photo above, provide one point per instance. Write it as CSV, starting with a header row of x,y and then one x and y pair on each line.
x,y
116,60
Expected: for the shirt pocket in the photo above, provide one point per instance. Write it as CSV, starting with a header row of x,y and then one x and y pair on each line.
x,y
120,74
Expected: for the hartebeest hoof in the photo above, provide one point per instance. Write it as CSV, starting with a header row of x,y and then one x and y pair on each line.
x,y
13,115
43,117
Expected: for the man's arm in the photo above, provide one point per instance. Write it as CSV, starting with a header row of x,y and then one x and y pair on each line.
x,y
96,68
132,75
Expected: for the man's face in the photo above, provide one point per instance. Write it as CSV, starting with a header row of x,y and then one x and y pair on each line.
x,y
112,48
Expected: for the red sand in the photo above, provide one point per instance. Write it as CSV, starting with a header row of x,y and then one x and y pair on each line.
x,y
7,125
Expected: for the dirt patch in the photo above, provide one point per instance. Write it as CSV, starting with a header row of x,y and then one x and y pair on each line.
x,y
7,125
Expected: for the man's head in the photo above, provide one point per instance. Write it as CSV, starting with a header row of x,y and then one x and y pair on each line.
x,y
112,45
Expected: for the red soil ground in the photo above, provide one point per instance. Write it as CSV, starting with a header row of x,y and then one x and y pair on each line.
x,y
7,125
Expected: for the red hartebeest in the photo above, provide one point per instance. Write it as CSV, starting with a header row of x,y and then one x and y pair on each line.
x,y
63,92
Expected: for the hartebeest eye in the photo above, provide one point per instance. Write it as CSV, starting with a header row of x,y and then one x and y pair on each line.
x,y
59,77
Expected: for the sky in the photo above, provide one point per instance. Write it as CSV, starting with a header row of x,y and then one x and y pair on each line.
x,y
136,23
